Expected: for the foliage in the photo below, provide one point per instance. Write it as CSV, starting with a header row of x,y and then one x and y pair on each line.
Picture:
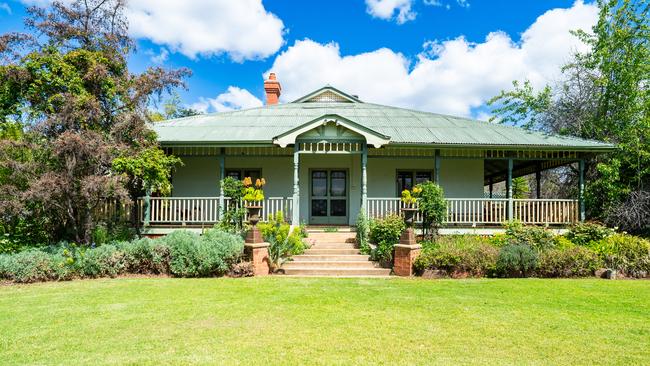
x,y
79,107
584,233
520,188
182,254
409,198
517,260
202,256
432,204
172,108
569,261
363,231
232,219
253,193
149,169
459,255
625,253
536,237
282,244
387,229
385,233
603,95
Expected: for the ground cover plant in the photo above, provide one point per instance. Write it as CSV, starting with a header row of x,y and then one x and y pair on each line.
x,y
525,251
180,254
299,321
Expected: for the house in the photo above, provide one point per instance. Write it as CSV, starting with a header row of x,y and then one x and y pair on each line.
x,y
328,155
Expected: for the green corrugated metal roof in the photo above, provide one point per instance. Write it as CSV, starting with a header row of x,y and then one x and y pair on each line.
x,y
404,126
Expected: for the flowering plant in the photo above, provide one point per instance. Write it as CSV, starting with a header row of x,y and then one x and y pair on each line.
x,y
253,193
410,198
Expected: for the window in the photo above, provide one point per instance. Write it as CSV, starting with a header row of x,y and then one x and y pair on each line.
x,y
243,173
406,179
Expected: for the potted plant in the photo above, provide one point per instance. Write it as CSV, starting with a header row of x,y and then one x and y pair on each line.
x,y
409,200
253,195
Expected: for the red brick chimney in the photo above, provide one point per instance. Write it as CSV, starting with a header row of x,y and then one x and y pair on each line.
x,y
272,88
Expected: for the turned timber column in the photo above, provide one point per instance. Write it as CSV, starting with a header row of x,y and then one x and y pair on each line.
x,y
436,172
222,174
364,177
509,193
147,206
295,218
581,193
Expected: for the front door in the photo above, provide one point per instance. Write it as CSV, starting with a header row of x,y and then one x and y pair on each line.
x,y
328,203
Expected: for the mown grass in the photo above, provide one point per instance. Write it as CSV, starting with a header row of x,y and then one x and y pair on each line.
x,y
287,321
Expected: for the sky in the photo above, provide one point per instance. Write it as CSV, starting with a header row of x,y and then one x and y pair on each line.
x,y
443,56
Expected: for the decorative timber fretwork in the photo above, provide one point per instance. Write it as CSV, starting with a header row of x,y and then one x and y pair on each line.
x,y
447,153
402,152
331,147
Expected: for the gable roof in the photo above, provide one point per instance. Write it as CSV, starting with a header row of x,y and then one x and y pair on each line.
x,y
402,126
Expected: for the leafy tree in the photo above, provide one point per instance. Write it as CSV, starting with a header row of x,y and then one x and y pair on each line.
x,y
173,109
604,95
520,187
79,108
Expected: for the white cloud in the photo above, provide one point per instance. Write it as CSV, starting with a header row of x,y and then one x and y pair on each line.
x,y
453,76
385,9
5,7
234,98
158,58
242,29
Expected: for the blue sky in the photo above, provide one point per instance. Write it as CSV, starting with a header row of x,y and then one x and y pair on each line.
x,y
446,56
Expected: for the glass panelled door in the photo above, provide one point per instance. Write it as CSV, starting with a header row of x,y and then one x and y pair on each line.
x,y
329,197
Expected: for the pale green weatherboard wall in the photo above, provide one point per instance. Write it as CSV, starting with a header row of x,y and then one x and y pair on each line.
x,y
199,177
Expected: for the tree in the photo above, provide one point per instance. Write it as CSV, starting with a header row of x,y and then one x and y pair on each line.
x,y
520,187
79,108
432,204
604,95
173,109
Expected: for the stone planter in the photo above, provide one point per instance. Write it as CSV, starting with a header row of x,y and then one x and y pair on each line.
x,y
409,215
254,236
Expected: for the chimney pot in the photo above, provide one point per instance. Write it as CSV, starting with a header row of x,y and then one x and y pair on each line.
x,y
272,88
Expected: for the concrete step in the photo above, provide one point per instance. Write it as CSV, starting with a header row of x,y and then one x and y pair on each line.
x,y
332,237
315,271
332,251
332,257
333,246
328,229
329,264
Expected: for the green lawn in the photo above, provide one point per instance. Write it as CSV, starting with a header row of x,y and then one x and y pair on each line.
x,y
279,321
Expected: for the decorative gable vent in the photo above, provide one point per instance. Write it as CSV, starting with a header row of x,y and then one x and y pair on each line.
x,y
328,96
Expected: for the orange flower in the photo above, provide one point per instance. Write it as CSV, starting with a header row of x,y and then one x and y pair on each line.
x,y
258,183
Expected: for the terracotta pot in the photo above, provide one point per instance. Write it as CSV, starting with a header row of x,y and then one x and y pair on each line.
x,y
253,214
409,215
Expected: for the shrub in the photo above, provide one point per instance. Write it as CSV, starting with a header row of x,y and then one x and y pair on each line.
x,y
516,260
194,256
363,228
625,253
27,266
433,206
569,261
146,256
459,255
385,233
282,243
103,261
534,236
584,233
387,229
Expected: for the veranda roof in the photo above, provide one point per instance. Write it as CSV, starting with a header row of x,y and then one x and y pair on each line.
x,y
402,126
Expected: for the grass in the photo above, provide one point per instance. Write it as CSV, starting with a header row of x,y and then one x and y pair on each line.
x,y
293,321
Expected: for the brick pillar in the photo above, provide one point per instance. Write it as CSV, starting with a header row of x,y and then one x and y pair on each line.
x,y
405,255
259,254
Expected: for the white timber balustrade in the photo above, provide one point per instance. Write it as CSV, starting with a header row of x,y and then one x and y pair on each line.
x,y
202,210
489,211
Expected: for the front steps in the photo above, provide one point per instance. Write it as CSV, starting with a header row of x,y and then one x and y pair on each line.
x,y
333,254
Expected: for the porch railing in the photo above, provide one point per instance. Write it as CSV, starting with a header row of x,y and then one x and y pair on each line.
x,y
201,210
489,211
